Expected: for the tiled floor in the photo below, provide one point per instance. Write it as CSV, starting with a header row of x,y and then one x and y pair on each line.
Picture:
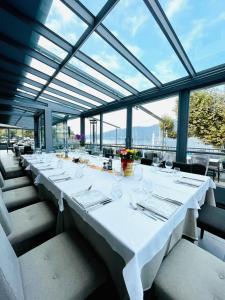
x,y
213,244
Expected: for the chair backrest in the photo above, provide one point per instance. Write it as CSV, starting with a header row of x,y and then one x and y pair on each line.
x,y
11,287
5,220
150,155
201,160
199,169
183,167
146,161
2,182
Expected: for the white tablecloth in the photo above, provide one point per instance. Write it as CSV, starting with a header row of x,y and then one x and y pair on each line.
x,y
134,236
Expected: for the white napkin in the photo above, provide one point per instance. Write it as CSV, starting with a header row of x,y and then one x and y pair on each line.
x,y
158,206
189,181
88,198
59,177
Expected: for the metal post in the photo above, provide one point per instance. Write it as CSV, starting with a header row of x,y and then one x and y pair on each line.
x,y
182,127
129,127
65,129
48,130
101,131
36,132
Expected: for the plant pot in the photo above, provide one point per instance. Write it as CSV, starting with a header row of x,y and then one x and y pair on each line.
x,y
127,167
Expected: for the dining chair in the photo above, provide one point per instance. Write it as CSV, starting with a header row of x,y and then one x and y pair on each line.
x,y
183,167
199,169
9,168
146,161
190,273
14,183
211,219
201,160
24,225
62,268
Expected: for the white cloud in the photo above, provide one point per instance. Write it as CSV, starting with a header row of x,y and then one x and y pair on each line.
x,y
136,21
174,6
164,70
139,82
195,33
110,62
137,51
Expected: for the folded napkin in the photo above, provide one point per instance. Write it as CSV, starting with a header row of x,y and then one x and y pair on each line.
x,y
160,207
189,181
59,177
166,170
86,198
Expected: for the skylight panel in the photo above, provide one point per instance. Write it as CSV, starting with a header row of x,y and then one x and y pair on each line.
x,y
50,49
28,93
38,65
105,55
71,93
133,24
94,6
35,78
200,27
64,22
31,86
90,71
83,87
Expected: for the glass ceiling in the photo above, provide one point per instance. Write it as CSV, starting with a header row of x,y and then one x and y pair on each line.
x,y
130,51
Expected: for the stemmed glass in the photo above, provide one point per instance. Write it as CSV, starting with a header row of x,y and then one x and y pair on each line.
x,y
155,162
168,164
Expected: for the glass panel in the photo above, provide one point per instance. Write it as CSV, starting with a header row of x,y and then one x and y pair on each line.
x,y
3,138
41,126
59,88
94,6
92,131
73,129
31,86
28,93
83,87
114,128
105,55
63,98
64,22
35,78
132,23
90,71
200,28
38,65
155,126
50,49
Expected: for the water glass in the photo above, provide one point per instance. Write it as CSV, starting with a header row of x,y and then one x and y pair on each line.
x,y
155,161
177,174
138,172
116,191
60,164
168,164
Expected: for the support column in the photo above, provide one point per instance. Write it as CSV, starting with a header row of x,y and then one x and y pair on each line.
x,y
129,127
82,127
65,129
182,127
36,132
48,130
101,130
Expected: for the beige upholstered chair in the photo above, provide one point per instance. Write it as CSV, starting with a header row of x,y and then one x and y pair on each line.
x,y
14,183
26,223
190,273
62,268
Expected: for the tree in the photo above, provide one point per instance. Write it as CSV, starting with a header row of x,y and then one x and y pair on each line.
x,y
207,117
167,127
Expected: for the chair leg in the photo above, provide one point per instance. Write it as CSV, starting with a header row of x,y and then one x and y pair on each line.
x,y
202,233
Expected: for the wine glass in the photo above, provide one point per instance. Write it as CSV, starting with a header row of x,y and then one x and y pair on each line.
x,y
155,161
168,164
138,172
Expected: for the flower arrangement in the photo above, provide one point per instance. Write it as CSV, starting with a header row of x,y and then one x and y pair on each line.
x,y
79,138
129,154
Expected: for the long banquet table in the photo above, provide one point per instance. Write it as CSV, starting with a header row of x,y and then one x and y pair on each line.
x,y
138,239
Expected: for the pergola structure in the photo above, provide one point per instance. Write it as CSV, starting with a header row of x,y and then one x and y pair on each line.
x,y
34,78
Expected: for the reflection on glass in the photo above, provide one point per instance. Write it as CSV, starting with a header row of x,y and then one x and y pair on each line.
x,y
105,55
140,33
94,6
64,22
200,28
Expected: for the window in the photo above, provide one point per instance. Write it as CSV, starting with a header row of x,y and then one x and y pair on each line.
x,y
73,129
155,124
50,49
92,130
94,6
38,65
114,128
35,78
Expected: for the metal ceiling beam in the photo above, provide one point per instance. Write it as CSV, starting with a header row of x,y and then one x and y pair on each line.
x,y
53,98
101,15
93,64
13,113
89,19
59,41
72,98
202,79
166,27
23,103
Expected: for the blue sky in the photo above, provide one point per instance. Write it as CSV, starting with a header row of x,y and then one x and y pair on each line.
x,y
199,24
